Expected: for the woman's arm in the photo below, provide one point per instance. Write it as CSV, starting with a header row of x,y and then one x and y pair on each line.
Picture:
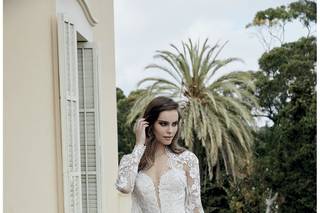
x,y
193,204
128,169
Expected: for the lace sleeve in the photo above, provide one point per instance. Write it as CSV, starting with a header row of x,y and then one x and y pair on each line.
x,y
193,204
128,169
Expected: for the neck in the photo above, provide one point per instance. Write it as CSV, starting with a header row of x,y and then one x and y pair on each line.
x,y
160,150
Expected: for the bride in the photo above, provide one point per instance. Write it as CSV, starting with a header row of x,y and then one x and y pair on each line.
x,y
162,176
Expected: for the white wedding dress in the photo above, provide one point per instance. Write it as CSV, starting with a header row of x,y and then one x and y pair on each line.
x,y
178,190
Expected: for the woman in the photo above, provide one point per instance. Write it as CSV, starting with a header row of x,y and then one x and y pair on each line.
x,y
162,176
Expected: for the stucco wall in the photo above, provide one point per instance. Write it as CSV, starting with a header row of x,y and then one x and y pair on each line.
x,y
103,34
72,8
30,164
32,146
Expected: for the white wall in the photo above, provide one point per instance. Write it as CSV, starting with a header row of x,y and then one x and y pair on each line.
x,y
73,9
30,160
103,34
32,145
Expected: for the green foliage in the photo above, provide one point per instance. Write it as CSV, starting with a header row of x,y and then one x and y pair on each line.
x,y
271,17
126,138
286,152
287,71
214,198
305,11
270,24
287,162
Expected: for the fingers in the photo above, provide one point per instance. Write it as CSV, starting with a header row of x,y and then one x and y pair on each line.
x,y
139,130
140,123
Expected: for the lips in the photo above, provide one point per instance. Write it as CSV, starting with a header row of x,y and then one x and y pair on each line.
x,y
168,137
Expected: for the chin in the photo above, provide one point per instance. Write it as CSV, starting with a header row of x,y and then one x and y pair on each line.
x,y
166,142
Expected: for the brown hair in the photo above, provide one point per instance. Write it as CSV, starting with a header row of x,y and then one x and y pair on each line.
x,y
151,114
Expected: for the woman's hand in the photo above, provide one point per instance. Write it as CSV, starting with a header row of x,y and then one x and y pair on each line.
x,y
139,129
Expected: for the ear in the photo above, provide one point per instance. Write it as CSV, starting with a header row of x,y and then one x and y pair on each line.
x,y
149,132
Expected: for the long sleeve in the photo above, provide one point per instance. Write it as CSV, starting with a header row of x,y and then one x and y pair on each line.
x,y
193,202
128,169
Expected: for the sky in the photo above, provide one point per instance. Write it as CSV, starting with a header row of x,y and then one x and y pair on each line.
x,y
144,26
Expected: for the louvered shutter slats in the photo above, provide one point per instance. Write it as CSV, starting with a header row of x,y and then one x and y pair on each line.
x,y
79,122
88,109
68,77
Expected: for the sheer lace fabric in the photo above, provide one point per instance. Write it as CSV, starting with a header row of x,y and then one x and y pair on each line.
x,y
176,191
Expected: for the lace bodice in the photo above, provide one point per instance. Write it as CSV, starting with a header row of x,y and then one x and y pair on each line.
x,y
178,189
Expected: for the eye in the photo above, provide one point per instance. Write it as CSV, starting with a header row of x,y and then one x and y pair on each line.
x,y
162,123
175,124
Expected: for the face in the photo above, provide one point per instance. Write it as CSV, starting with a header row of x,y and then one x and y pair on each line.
x,y
166,126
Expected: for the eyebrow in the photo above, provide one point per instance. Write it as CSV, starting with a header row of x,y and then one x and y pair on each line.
x,y
166,121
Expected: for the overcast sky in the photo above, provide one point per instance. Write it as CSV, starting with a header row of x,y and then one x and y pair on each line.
x,y
144,26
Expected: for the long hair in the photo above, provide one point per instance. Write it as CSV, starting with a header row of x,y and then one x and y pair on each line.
x,y
151,114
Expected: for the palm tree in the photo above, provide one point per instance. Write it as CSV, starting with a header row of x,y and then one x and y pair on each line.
x,y
215,111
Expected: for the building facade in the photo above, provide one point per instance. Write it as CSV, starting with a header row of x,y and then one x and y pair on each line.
x,y
60,129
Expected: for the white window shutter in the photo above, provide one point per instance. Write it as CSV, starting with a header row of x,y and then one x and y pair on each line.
x,y
89,128
69,110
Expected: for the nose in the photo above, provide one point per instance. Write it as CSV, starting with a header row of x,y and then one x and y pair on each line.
x,y
170,129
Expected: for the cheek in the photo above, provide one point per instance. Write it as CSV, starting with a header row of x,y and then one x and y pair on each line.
x,y
158,130
175,130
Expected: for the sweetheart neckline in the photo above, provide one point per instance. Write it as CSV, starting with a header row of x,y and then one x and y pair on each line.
x,y
160,177
157,192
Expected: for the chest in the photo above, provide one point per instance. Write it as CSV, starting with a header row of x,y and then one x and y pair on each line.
x,y
163,185
159,168
171,181
168,196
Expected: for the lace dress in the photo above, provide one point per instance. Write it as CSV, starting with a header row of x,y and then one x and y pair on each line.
x,y
178,190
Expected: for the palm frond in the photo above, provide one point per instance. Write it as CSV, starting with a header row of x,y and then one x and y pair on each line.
x,y
215,113
159,81
162,68
216,65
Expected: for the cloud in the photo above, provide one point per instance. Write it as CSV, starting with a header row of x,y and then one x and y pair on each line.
x,y
142,27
